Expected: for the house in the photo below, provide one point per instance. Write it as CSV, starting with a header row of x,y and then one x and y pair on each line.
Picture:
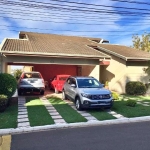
x,y
56,54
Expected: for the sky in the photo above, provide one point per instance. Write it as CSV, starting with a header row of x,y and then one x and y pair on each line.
x,y
113,20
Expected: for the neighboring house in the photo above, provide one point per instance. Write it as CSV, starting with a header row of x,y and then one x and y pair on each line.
x,y
57,54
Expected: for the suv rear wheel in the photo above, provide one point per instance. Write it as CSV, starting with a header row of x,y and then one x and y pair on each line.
x,y
64,95
42,92
78,104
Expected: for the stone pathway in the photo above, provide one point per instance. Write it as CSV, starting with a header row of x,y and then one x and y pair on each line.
x,y
23,120
113,113
143,103
52,111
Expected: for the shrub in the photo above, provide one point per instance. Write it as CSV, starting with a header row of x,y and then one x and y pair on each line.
x,y
8,84
135,88
131,103
17,73
115,95
106,83
3,102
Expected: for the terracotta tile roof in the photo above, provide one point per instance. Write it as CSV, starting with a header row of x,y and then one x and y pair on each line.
x,y
124,51
50,44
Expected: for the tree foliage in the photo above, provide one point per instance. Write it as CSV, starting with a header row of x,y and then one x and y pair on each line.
x,y
17,73
141,43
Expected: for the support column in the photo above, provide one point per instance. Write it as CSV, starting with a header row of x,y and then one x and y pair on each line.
x,y
3,65
0,63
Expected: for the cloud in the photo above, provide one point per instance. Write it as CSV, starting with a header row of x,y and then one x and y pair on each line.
x,y
52,21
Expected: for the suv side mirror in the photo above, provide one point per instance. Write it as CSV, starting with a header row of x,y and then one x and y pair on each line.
x,y
73,85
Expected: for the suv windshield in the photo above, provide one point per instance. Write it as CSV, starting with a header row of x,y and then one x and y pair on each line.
x,y
89,83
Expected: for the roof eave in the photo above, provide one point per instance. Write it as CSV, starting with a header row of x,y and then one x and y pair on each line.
x,y
113,53
137,59
53,55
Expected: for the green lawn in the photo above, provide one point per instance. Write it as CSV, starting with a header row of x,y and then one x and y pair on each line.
x,y
127,111
69,114
8,119
37,112
101,114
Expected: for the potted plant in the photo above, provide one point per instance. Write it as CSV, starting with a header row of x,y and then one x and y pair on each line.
x,y
107,85
3,102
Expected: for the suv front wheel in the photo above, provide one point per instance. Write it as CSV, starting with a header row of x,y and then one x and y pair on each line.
x,y
78,104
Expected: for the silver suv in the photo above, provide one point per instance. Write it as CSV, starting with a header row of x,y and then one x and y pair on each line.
x,y
31,82
87,92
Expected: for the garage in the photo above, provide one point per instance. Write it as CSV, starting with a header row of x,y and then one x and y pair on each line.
x,y
53,54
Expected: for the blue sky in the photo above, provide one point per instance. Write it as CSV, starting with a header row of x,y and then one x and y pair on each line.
x,y
108,19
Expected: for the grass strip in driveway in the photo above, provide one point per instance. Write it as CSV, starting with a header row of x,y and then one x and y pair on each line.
x,y
8,119
37,113
69,114
127,111
100,114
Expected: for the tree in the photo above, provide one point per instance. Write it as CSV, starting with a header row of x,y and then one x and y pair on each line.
x,y
141,43
17,73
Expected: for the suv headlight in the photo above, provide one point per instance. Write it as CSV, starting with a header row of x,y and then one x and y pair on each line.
x,y
86,95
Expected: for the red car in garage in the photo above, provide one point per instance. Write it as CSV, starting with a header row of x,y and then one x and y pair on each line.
x,y
57,82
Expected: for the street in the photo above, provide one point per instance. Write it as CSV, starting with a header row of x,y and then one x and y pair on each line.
x,y
133,136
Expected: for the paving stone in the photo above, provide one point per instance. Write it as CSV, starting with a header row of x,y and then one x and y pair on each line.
x,y
21,110
59,121
54,113
50,108
118,116
112,112
21,105
74,107
22,113
86,114
146,102
24,124
145,105
91,118
56,117
139,100
22,116
23,120
71,104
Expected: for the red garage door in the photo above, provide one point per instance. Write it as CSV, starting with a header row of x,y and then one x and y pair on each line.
x,y
49,71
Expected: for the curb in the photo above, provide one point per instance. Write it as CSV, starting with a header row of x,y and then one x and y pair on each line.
x,y
71,125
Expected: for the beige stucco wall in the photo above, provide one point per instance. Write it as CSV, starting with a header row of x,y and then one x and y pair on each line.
x,y
93,70
114,73
28,68
136,73
118,73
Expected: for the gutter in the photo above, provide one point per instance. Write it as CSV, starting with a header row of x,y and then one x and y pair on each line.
x,y
51,55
